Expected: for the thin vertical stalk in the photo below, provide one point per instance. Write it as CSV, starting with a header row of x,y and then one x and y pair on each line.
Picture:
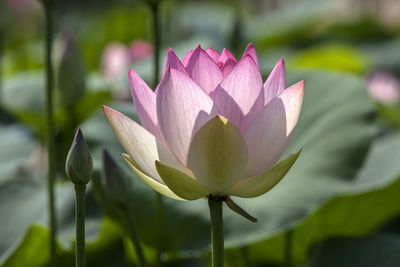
x,y
155,10
1,65
48,7
160,225
133,235
288,248
80,225
217,232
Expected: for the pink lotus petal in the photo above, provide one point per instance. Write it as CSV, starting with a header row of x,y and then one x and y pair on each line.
x,y
250,50
213,54
203,70
145,104
275,82
225,55
269,133
141,145
186,58
182,108
236,96
228,66
173,61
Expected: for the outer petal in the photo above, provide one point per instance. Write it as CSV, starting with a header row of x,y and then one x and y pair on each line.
x,y
225,55
159,187
145,104
237,94
203,70
213,54
141,145
181,184
186,58
269,133
260,184
250,50
275,82
182,108
218,154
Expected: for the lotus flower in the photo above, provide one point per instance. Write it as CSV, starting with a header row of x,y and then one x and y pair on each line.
x,y
211,128
384,88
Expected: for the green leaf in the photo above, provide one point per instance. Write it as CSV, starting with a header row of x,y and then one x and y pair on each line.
x,y
332,56
32,249
377,250
15,148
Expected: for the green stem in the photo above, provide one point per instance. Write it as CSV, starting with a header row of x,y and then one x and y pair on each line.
x,y
154,5
80,224
288,249
1,65
160,226
155,11
217,231
133,235
50,129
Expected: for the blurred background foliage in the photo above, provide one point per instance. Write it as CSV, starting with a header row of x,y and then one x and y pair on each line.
x,y
338,206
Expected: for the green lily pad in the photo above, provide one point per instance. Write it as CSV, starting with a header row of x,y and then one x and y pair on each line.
x,y
371,251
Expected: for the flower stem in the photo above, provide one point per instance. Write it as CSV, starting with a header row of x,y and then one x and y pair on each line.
x,y
217,231
160,226
133,235
288,248
50,129
80,224
155,10
1,69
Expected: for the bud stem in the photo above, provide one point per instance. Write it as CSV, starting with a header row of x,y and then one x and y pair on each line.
x,y
133,235
50,129
80,224
217,231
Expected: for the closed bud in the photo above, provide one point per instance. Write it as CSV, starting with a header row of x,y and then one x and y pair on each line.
x,y
70,71
118,186
79,164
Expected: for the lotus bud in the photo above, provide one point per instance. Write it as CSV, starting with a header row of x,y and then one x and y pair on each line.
x,y
70,72
117,183
79,164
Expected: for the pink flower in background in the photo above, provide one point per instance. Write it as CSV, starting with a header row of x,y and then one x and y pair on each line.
x,y
115,60
384,88
23,7
139,50
212,127
118,57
